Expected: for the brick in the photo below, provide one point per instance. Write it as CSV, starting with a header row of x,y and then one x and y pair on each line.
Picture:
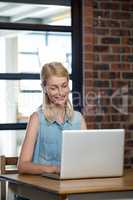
x,y
99,83
95,5
88,20
88,92
130,92
96,57
88,83
121,16
130,115
121,49
105,101
130,99
110,125
91,118
95,23
124,118
122,67
127,58
110,58
113,23
110,6
127,75
99,31
88,56
113,110
120,32
127,7
115,118
106,92
105,109
127,24
96,40
90,75
88,30
102,14
129,135
119,117
100,48
118,84
88,3
87,66
87,12
101,66
88,48
110,40
127,41
129,144
110,75
129,126
88,39
98,22
99,118
90,101
91,126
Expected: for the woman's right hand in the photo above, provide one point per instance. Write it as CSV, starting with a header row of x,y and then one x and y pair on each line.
x,y
52,169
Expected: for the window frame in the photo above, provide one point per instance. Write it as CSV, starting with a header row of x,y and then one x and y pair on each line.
x,y
76,31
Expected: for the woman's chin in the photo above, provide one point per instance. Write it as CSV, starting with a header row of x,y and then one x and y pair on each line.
x,y
60,104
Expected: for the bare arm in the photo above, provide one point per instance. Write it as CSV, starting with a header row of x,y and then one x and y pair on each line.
x,y
25,164
83,124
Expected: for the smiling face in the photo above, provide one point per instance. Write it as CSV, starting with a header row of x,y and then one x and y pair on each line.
x,y
57,90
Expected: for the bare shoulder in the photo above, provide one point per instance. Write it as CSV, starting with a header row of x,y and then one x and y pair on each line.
x,y
32,126
83,122
34,117
79,116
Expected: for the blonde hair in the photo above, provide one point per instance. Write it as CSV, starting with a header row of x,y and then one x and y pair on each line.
x,y
48,70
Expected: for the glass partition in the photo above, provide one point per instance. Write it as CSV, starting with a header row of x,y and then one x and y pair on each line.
x,y
11,142
31,35
19,99
27,51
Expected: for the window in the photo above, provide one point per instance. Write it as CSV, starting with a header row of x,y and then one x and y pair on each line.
x,y
32,34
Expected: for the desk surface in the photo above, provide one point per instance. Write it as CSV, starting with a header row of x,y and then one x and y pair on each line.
x,y
124,183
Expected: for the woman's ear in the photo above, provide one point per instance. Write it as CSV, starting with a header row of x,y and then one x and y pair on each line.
x,y
42,85
69,89
44,90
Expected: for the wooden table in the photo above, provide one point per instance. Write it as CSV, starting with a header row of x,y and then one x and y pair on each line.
x,y
39,188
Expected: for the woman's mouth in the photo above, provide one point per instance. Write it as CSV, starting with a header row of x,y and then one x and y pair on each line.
x,y
60,99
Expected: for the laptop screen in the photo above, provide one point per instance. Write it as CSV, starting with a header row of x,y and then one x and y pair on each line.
x,y
92,153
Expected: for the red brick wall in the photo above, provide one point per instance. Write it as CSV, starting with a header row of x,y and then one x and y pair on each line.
x,y
108,67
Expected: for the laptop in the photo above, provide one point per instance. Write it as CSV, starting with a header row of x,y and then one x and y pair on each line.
x,y
91,154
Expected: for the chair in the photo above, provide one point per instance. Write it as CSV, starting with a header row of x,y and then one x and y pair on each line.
x,y
8,165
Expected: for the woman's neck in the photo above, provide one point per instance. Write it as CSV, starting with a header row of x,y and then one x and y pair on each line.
x,y
59,114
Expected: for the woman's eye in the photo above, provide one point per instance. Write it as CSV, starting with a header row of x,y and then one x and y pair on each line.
x,y
64,86
52,88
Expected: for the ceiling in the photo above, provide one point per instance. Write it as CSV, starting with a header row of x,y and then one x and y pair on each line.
x,y
23,12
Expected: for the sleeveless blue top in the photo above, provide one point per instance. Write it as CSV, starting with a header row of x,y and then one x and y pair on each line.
x,y
48,143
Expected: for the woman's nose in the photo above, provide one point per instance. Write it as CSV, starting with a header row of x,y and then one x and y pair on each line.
x,y
60,91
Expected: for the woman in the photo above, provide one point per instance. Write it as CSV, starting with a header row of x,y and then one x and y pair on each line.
x,y
42,144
